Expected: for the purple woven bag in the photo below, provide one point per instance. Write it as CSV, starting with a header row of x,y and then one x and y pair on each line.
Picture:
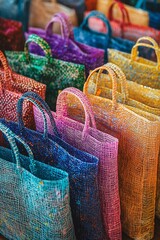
x,y
97,143
65,47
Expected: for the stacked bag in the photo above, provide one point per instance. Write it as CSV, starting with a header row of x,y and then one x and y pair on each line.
x,y
79,121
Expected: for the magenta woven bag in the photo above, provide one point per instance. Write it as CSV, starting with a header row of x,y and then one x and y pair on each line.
x,y
65,47
97,143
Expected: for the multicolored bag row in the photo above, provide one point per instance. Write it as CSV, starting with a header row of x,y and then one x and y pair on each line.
x,y
80,165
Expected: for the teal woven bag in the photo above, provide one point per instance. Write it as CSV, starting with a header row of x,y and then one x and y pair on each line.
x,y
56,74
34,197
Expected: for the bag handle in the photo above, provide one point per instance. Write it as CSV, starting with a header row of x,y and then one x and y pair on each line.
x,y
7,72
39,103
120,75
102,17
61,107
65,24
114,83
33,38
123,10
11,137
153,44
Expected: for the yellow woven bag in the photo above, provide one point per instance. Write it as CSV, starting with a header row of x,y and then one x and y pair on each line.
x,y
101,85
136,68
139,138
137,16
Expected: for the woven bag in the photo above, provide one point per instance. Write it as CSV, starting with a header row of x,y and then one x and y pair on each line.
x,y
81,167
128,92
145,96
16,10
12,86
125,29
85,34
56,74
11,35
34,197
65,47
47,9
95,142
139,138
138,69
137,16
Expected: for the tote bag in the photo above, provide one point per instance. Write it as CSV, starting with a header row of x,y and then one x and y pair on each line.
x,y
138,69
126,29
11,35
137,16
134,95
81,167
85,34
64,47
47,9
12,86
139,138
16,10
34,197
56,74
103,146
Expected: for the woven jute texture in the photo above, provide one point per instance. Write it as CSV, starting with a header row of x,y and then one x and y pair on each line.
x,y
138,133
101,85
65,47
81,167
56,74
138,69
12,86
137,16
47,9
34,197
87,138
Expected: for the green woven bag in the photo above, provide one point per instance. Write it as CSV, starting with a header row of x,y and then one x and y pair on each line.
x,y
56,74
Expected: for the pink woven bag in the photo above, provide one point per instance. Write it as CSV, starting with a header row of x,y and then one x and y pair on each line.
x,y
97,143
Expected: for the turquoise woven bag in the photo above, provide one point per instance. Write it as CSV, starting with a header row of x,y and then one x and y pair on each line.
x,y
34,197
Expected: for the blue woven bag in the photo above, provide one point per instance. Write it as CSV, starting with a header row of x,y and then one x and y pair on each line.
x,y
81,167
34,197
16,10
154,12
93,38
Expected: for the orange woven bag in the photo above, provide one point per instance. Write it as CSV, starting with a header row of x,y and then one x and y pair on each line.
x,y
139,138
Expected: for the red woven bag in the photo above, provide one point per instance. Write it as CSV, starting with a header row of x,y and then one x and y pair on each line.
x,y
126,29
12,86
11,35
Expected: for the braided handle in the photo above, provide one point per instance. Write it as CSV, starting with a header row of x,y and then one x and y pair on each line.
x,y
61,107
11,139
6,81
65,24
39,103
33,38
134,52
114,82
100,16
123,9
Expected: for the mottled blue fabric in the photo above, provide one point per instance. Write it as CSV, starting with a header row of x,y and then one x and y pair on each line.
x,y
82,169
31,196
88,36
